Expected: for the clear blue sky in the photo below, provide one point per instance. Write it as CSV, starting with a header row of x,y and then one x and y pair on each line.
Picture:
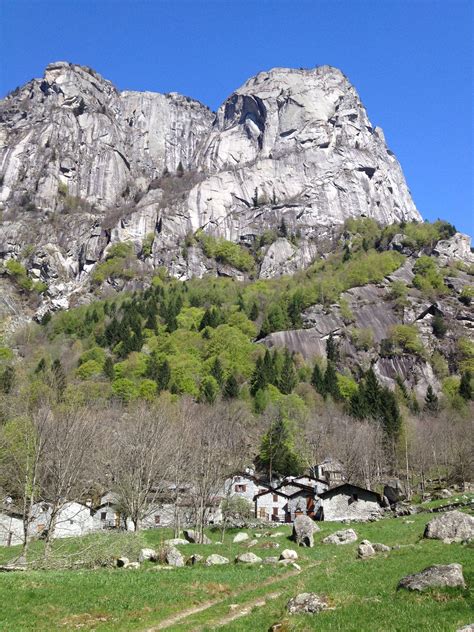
x,y
411,61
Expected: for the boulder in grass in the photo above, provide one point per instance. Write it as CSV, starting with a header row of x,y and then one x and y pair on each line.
x,y
248,558
122,562
467,628
194,559
147,555
240,537
344,536
177,542
437,576
365,550
307,603
193,537
380,548
288,554
173,557
271,560
133,565
216,560
453,526
303,529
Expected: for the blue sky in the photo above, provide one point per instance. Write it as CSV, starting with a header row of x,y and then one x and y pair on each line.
x,y
410,60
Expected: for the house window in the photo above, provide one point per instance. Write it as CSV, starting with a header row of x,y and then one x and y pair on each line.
x,y
71,521
262,513
241,488
103,515
275,498
275,511
157,519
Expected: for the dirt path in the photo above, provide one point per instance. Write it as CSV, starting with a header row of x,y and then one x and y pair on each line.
x,y
242,610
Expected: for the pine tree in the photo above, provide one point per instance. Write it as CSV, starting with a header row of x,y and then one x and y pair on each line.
x,y
431,400
269,368
58,379
331,386
372,393
390,413
287,380
231,388
7,379
258,381
108,368
208,390
332,349
347,253
253,315
277,450
295,307
163,376
317,380
465,388
357,404
217,372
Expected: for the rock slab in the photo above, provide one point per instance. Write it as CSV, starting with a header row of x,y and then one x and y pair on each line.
x,y
436,576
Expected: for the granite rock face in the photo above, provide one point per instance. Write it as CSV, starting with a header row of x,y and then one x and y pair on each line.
x,y
83,165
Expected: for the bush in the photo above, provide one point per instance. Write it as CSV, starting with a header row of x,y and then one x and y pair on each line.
x,y
125,390
405,337
427,277
226,252
89,369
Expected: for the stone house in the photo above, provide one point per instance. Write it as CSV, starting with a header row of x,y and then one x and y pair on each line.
x,y
331,471
318,485
73,519
11,528
108,514
271,505
286,502
349,502
244,485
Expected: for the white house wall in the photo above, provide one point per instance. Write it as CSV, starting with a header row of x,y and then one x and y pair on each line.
x,y
11,530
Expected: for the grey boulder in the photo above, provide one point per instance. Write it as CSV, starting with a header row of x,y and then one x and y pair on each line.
x,y
173,557
307,603
303,529
454,526
344,536
193,537
248,558
216,560
436,576
365,550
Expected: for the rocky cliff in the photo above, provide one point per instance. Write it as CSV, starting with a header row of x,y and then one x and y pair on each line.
x,y
84,166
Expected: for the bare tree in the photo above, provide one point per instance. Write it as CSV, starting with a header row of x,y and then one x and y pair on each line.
x,y
23,444
69,461
219,449
139,456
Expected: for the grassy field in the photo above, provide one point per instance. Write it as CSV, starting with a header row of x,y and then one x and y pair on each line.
x,y
247,598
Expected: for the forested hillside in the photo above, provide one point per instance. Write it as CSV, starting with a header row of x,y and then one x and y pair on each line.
x,y
371,395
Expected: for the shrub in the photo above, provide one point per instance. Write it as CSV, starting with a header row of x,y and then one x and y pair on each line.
x,y
362,339
405,337
125,390
89,369
427,276
226,252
